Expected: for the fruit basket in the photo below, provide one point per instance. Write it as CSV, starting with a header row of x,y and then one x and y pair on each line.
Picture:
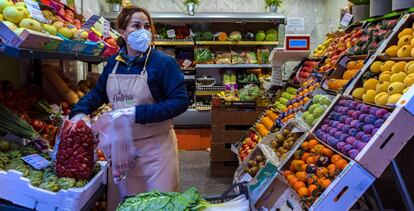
x,y
322,177
303,71
338,79
362,131
17,189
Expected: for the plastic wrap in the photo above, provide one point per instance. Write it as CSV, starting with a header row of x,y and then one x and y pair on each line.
x,y
238,58
223,58
251,57
116,142
203,56
263,56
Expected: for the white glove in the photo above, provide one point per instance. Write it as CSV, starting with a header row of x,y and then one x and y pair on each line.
x,y
77,117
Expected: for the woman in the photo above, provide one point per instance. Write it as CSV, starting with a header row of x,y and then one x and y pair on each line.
x,y
150,84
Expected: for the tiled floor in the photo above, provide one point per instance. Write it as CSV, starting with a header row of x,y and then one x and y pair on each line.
x,y
195,171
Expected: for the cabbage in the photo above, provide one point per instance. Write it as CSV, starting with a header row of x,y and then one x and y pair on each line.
x,y
249,93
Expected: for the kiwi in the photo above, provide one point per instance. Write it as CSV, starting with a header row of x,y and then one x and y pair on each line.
x,y
259,158
280,137
286,132
246,169
253,171
252,163
291,139
261,164
285,145
273,144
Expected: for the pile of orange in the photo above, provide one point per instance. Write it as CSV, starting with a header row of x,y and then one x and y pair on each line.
x,y
352,68
312,170
261,129
266,122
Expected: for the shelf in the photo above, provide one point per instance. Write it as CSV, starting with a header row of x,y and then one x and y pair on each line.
x,y
207,93
209,17
174,43
215,66
237,43
39,54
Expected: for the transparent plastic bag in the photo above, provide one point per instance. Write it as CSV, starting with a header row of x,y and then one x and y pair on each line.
x,y
116,142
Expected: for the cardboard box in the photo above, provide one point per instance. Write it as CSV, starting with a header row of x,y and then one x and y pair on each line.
x,y
391,137
29,39
342,194
222,152
17,189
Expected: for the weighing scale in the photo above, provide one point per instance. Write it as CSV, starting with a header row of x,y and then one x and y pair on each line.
x,y
297,47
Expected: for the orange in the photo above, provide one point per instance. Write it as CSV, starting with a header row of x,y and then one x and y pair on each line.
x,y
341,164
306,99
298,164
305,145
301,175
326,183
320,180
327,152
331,170
287,173
303,167
318,148
289,177
311,160
312,179
303,192
295,105
312,143
305,156
312,188
297,185
293,181
322,172
335,158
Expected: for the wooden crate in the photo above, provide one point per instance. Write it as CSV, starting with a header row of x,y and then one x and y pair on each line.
x,y
228,133
221,116
223,169
222,152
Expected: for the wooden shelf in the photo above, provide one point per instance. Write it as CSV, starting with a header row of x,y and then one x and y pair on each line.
x,y
173,43
249,43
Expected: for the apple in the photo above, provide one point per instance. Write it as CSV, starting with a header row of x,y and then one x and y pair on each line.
x,y
83,35
11,25
32,24
66,32
1,17
4,4
20,4
58,25
49,29
12,14
24,11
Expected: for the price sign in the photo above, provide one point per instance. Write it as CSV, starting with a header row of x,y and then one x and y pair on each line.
x,y
171,33
346,20
295,25
90,22
106,28
34,10
36,161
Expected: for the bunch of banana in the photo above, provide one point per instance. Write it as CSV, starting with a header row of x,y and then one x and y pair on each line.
x,y
231,96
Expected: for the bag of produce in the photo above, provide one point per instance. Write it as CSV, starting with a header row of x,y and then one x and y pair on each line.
x,y
115,140
238,58
74,151
251,57
263,56
223,58
203,56
249,93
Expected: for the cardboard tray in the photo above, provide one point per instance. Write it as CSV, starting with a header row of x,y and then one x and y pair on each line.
x,y
386,143
17,189
341,194
29,39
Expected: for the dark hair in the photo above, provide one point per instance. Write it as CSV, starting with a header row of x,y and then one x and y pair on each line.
x,y
125,17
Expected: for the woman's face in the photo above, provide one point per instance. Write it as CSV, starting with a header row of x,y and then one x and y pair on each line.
x,y
138,21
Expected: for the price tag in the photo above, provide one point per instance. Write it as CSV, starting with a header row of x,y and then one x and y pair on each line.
x,y
36,161
106,28
171,33
34,10
90,22
295,25
346,20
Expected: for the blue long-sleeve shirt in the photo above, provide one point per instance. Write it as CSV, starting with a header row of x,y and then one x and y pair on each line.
x,y
165,81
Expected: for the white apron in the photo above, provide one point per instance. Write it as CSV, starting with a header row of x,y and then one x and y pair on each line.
x,y
157,164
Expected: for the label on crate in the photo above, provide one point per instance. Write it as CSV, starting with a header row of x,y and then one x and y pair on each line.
x,y
36,161
171,33
90,22
346,20
34,10
106,28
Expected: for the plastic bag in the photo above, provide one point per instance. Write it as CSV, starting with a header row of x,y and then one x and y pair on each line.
x,y
263,56
223,58
203,56
74,150
238,58
251,57
116,142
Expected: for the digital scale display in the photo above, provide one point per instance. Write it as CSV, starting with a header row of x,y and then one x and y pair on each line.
x,y
297,42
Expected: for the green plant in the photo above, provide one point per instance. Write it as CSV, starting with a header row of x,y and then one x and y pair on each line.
x,y
191,1
113,1
276,3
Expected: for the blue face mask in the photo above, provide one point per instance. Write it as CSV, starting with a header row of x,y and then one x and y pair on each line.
x,y
139,40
